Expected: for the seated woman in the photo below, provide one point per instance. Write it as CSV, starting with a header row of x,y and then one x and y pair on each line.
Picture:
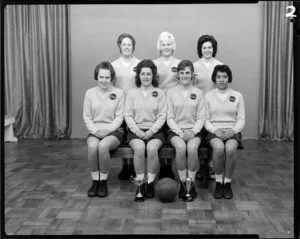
x,y
145,114
225,120
185,118
207,47
166,64
103,115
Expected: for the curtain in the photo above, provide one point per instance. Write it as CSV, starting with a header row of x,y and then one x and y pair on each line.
x,y
37,70
276,109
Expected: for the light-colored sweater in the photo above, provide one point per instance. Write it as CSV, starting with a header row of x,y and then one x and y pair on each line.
x,y
103,111
125,75
203,74
145,112
225,114
185,112
167,73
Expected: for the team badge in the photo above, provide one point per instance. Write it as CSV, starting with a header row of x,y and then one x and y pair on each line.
x,y
154,93
193,96
232,98
174,69
113,96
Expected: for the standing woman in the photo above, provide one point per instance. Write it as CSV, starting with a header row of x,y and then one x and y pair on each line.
x,y
103,115
167,78
207,47
145,114
186,117
225,120
125,80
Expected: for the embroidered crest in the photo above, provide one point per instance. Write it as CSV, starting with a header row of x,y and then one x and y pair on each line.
x,y
113,96
193,96
155,94
232,98
174,69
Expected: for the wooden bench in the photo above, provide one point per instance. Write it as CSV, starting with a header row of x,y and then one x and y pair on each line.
x,y
168,151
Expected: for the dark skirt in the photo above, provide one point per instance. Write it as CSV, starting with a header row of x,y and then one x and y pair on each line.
x,y
202,135
158,135
119,134
237,137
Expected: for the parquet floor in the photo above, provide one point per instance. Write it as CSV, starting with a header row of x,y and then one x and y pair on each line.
x,y
46,183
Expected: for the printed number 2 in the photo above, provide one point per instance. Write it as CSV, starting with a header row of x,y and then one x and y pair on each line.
x,y
291,13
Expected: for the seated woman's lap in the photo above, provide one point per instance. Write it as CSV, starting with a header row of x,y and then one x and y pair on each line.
x,y
109,142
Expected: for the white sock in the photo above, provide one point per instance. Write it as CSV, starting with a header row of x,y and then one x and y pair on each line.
x,y
151,177
103,176
227,180
192,175
182,174
95,175
219,178
140,176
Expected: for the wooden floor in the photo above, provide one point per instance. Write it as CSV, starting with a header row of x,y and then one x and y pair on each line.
x,y
46,184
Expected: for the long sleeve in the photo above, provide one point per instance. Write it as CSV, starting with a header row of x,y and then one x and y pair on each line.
x,y
119,114
88,116
240,119
200,116
129,114
161,114
171,116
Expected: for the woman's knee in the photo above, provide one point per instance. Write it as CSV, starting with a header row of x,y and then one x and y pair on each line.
x,y
193,147
103,148
218,148
231,147
152,149
92,146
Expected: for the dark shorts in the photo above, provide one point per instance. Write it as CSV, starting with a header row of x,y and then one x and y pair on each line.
x,y
202,135
237,137
119,134
158,135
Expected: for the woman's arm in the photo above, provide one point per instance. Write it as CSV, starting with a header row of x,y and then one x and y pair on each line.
x,y
119,114
88,115
161,114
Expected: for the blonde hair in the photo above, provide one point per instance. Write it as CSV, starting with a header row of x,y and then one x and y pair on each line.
x,y
166,36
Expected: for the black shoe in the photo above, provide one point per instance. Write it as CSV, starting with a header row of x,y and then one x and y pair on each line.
x,y
150,190
218,190
102,191
140,193
125,173
228,194
182,190
92,192
193,191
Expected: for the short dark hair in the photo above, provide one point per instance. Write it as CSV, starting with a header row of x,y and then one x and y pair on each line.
x,y
104,65
221,68
126,35
206,38
185,63
143,64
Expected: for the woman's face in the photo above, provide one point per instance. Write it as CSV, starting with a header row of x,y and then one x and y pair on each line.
x,y
185,76
146,76
166,48
207,50
104,78
222,80
126,47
